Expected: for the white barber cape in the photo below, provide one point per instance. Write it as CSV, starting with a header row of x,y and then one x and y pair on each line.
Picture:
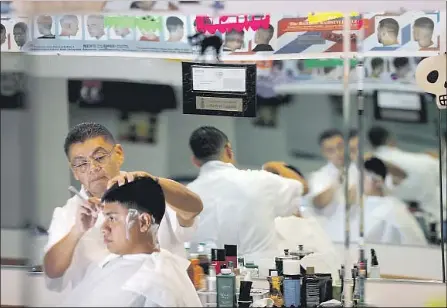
x,y
308,232
388,221
141,280
240,207
330,217
91,248
422,178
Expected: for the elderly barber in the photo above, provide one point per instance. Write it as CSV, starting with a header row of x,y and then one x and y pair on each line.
x,y
95,160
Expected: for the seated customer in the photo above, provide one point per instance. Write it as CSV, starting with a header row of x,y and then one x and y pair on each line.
x,y
137,273
387,219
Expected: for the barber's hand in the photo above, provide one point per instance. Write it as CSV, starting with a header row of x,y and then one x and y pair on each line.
x,y
279,168
87,214
367,155
126,177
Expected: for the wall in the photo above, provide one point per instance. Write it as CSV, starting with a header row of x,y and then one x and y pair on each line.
x,y
32,142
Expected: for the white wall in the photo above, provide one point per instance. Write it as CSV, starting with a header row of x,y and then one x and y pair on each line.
x,y
33,162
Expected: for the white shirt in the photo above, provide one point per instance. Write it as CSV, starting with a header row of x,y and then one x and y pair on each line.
x,y
422,179
139,280
388,221
171,236
240,207
331,216
309,233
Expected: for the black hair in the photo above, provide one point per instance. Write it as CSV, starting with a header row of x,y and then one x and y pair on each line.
x,y
278,63
294,169
376,62
376,166
84,131
378,136
21,25
173,22
143,194
390,24
207,143
400,62
353,133
2,28
424,22
329,133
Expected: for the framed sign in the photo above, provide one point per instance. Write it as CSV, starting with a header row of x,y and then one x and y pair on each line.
x,y
219,89
407,107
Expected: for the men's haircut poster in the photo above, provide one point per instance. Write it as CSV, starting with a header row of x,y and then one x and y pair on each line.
x,y
14,34
262,34
12,88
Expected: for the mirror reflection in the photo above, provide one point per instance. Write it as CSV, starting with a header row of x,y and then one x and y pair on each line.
x,y
297,139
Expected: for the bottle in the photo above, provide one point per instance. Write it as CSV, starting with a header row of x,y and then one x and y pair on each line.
x,y
375,269
211,279
198,275
231,254
217,259
226,289
292,283
203,258
275,282
310,289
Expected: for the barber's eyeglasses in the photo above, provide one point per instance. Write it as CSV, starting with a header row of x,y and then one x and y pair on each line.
x,y
99,159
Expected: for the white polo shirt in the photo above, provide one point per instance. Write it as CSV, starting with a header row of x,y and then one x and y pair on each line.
x,y
331,216
422,181
240,207
91,248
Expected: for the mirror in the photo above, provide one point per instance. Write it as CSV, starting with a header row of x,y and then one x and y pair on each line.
x,y
299,121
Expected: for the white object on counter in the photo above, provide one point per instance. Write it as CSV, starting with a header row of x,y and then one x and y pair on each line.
x,y
265,302
374,272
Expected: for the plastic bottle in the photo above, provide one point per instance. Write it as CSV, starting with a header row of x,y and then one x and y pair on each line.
x,y
226,289
275,282
292,283
198,275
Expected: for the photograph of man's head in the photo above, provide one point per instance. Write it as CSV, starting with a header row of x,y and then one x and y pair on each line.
x,y
44,27
234,40
154,5
423,29
262,39
69,26
2,34
95,27
20,33
377,67
388,32
175,29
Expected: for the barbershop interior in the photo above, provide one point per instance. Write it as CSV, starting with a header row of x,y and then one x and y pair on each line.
x,y
330,192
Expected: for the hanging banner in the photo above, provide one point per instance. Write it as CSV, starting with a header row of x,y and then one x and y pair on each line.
x,y
244,36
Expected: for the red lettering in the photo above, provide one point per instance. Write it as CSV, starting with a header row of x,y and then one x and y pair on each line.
x,y
225,24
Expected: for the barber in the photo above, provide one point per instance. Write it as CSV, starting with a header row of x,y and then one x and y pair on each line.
x,y
95,160
240,206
